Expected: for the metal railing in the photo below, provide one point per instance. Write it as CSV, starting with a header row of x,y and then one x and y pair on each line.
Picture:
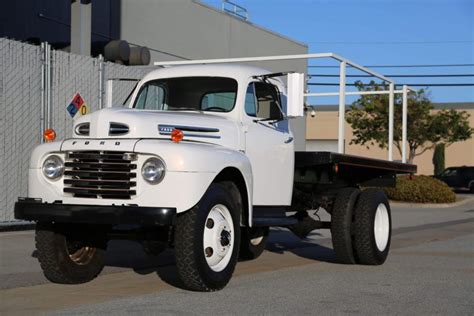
x,y
235,10
342,93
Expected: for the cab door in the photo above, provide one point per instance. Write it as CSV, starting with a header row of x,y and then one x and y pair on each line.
x,y
268,144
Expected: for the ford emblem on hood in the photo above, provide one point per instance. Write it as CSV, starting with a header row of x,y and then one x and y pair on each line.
x,y
189,131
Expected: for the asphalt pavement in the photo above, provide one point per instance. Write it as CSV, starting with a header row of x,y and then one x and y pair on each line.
x,y
430,270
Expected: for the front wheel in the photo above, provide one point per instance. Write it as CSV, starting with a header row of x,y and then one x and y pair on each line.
x,y
372,227
207,239
69,255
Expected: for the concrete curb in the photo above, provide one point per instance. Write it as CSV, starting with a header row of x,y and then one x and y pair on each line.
x,y
461,201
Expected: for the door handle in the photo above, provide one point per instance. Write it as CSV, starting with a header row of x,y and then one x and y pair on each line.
x,y
289,140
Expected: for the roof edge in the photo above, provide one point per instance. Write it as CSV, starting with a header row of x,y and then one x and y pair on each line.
x,y
199,2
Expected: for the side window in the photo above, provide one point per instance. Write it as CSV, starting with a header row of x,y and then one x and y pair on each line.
x,y
151,97
250,106
268,101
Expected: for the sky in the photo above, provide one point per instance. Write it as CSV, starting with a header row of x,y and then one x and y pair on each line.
x,y
380,32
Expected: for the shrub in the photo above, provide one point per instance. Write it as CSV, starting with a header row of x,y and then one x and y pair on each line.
x,y
421,189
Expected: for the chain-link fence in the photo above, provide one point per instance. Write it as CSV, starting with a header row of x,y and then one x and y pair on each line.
x,y
70,74
123,80
36,85
20,114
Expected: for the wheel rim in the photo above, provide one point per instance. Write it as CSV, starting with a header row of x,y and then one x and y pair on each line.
x,y
83,255
218,242
381,227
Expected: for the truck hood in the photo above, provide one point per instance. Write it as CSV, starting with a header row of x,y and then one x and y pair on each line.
x,y
109,123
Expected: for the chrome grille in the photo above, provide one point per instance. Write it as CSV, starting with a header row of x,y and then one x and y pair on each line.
x,y
100,174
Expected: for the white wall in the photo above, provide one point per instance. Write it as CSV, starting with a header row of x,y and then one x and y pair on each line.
x,y
195,31
322,145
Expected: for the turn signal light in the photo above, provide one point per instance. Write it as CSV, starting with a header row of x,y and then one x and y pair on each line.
x,y
49,135
177,135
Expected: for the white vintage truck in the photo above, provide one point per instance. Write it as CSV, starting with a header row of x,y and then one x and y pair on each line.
x,y
202,161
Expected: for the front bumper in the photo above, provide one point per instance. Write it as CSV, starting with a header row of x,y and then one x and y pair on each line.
x,y
36,210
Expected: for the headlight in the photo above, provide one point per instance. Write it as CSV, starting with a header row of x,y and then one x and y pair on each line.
x,y
53,167
153,170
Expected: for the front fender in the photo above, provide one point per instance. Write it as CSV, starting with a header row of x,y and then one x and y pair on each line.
x,y
40,152
199,158
193,156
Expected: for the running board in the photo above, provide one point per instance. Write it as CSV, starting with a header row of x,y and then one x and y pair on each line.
x,y
274,221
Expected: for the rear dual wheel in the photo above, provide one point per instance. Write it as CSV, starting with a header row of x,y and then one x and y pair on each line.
x,y
361,226
372,227
342,224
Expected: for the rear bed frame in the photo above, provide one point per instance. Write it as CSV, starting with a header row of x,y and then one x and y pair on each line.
x,y
331,168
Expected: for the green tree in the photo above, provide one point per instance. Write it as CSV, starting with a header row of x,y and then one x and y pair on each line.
x,y
438,159
368,117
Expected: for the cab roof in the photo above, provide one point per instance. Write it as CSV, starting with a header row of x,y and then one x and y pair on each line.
x,y
236,71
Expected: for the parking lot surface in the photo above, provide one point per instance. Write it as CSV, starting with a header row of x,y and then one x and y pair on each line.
x,y
430,270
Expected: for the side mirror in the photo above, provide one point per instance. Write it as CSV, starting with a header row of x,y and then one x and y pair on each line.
x,y
295,95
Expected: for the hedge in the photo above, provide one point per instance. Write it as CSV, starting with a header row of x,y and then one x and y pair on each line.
x,y
421,189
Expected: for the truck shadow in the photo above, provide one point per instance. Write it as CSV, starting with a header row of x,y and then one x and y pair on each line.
x,y
314,247
130,255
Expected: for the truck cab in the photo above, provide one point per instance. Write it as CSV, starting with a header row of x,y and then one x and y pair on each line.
x,y
233,106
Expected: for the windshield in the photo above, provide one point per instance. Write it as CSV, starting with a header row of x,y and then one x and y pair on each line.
x,y
213,94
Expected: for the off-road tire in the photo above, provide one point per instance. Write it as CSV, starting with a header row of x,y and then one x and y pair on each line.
x,y
191,263
365,247
249,250
341,224
54,257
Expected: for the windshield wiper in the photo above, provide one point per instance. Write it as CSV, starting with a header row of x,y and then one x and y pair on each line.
x,y
270,120
263,120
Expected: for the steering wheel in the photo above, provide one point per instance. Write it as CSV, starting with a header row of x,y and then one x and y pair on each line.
x,y
214,108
